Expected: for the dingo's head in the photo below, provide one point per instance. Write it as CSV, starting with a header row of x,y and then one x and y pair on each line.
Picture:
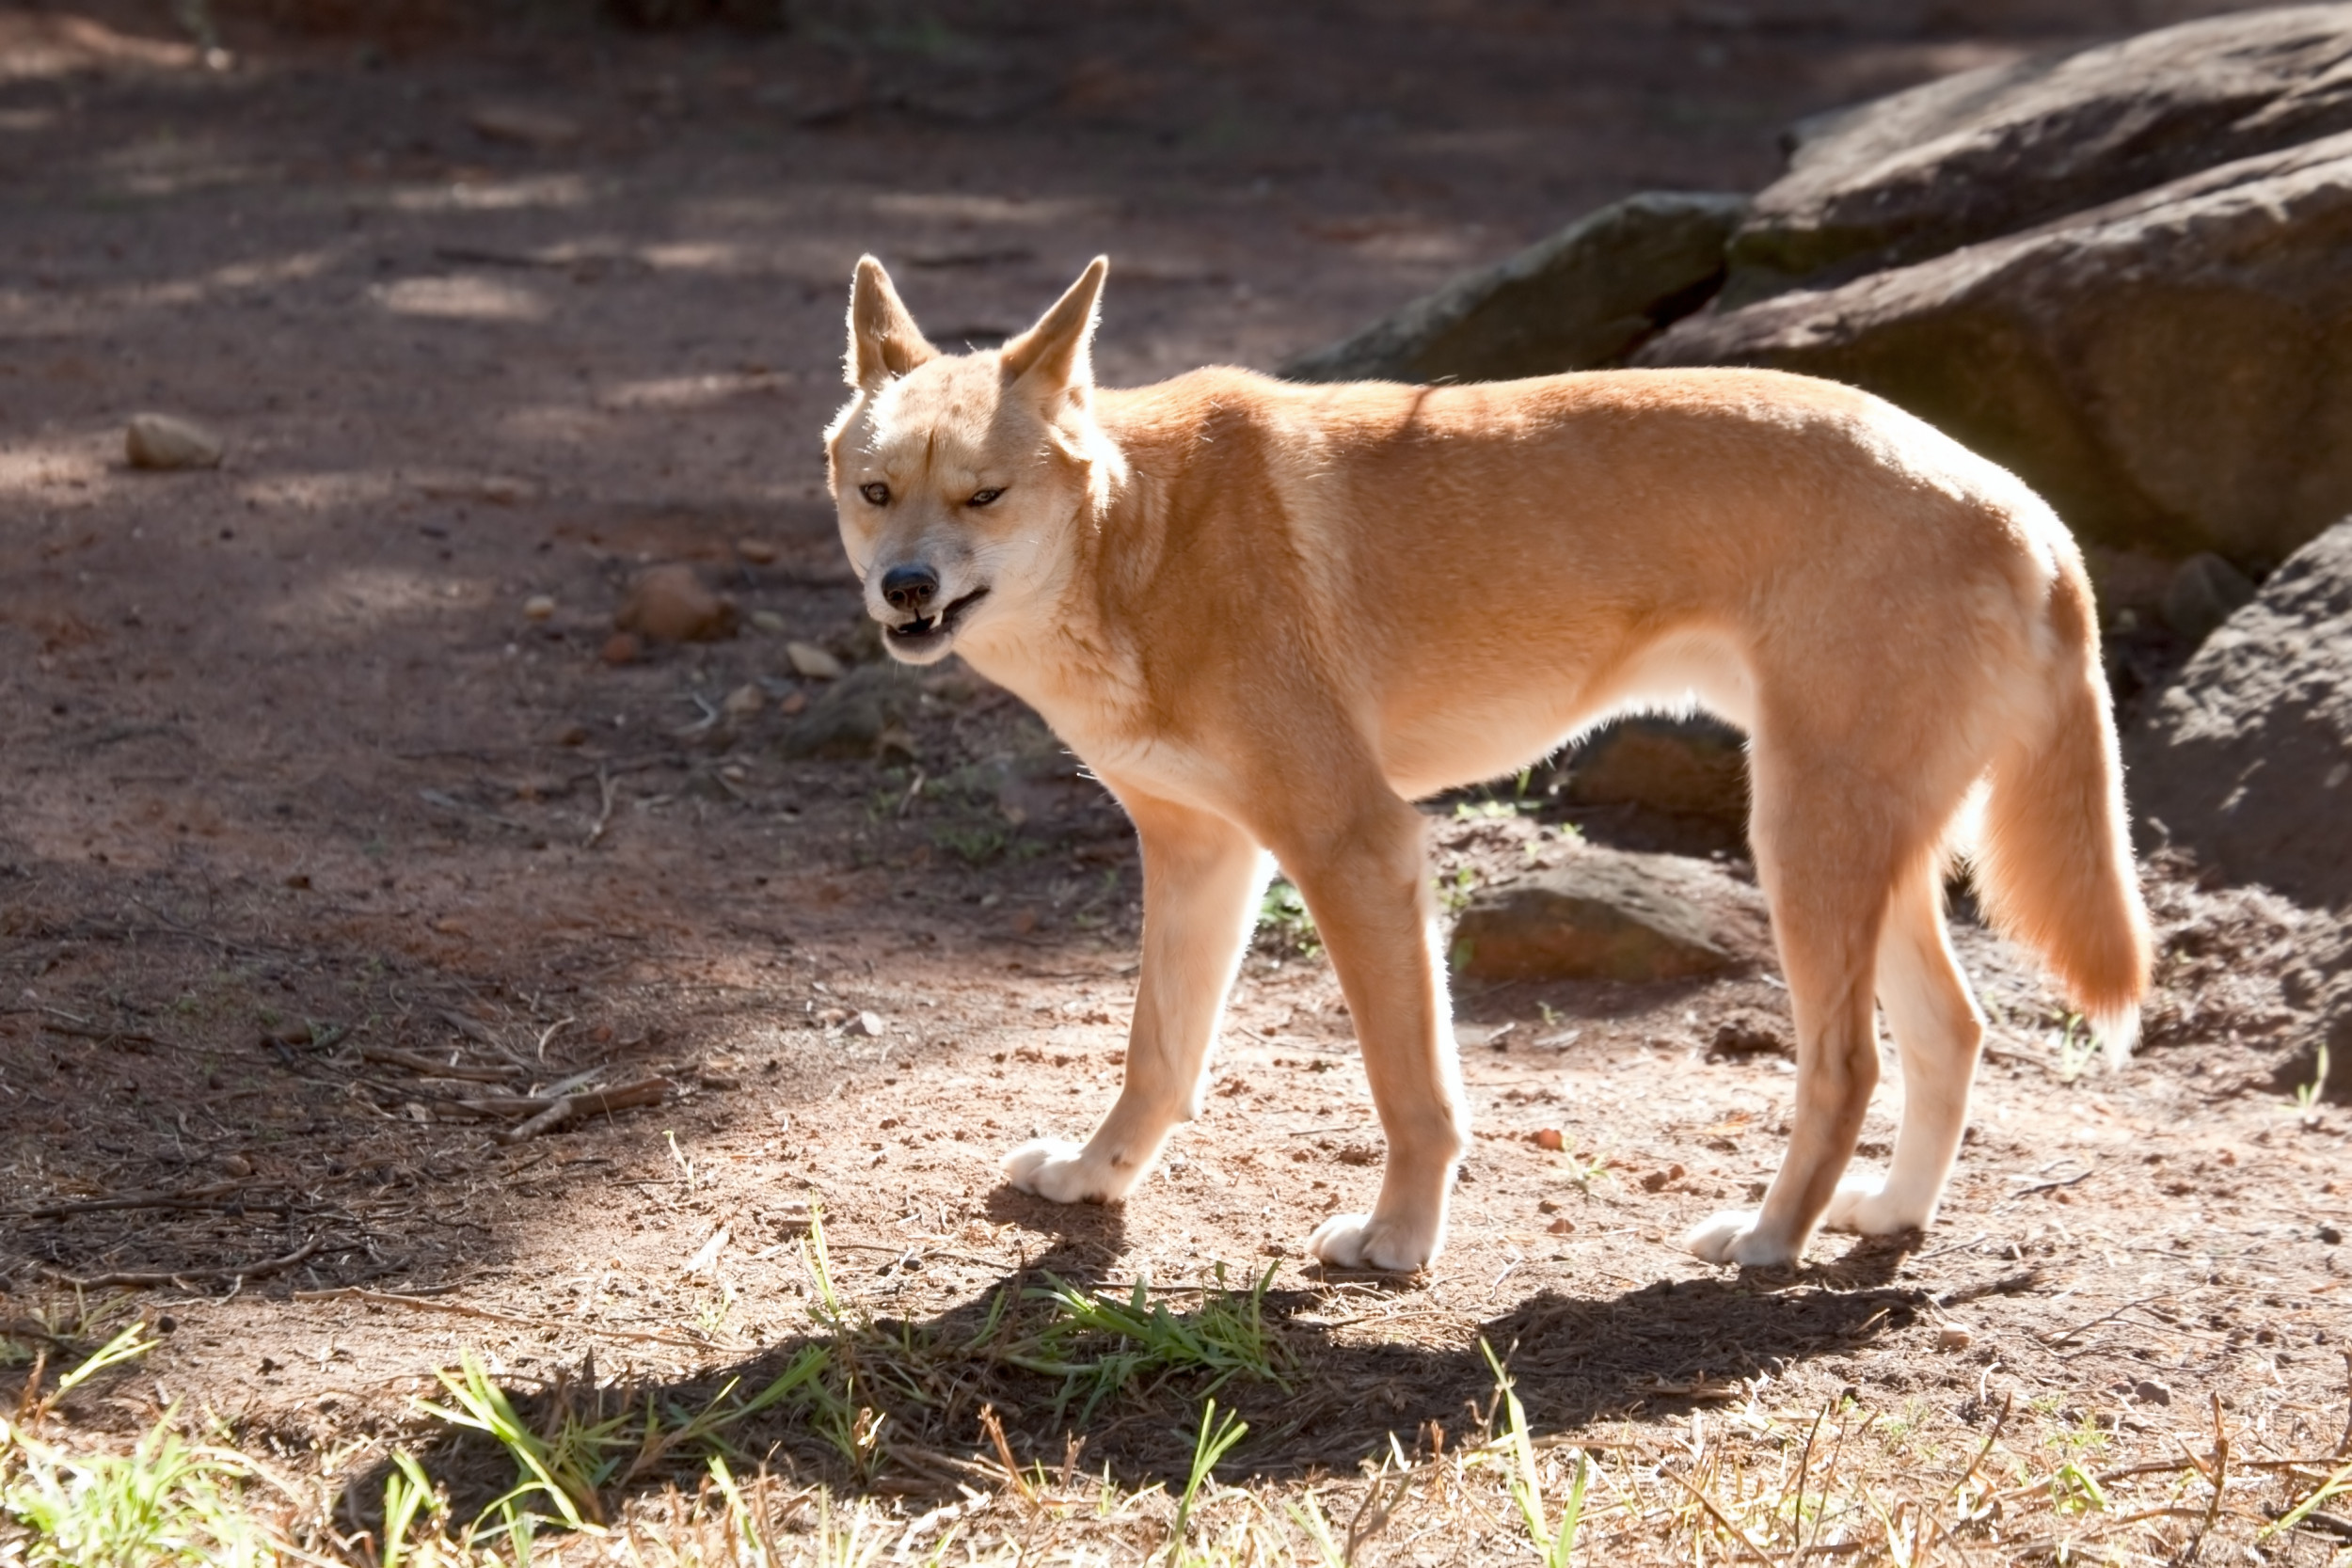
x,y
961,478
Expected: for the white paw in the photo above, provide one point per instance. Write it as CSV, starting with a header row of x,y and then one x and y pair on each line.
x,y
1059,1171
1732,1237
1862,1204
1361,1242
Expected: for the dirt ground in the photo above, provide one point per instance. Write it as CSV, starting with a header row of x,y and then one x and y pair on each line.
x,y
311,834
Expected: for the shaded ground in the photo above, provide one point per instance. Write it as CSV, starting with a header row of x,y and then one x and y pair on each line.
x,y
294,788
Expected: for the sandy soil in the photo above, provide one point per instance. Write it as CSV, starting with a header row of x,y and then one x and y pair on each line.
x,y
293,787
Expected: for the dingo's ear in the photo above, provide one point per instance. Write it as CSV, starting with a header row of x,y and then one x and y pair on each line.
x,y
1052,353
883,339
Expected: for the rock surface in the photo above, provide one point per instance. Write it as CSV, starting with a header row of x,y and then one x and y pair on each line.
x,y
855,715
2172,370
1580,300
1691,768
1609,916
165,441
670,603
2246,761
1993,151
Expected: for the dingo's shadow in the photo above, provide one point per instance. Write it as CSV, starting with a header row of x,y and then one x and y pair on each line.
x,y
1303,1368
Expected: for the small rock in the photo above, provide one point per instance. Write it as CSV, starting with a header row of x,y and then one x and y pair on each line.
x,y
794,702
869,1024
572,734
518,126
1549,1138
744,701
1953,1337
1657,1180
1749,1034
539,607
2330,1235
669,604
2149,1391
621,648
813,662
236,1165
852,718
1561,1226
2205,591
759,552
768,622
164,441
1023,921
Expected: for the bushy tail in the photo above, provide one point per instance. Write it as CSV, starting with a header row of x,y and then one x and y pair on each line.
x,y
2054,866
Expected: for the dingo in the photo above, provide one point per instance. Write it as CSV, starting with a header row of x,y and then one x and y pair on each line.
x,y
1269,617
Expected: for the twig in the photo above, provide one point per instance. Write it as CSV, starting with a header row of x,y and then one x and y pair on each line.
x,y
174,1277
554,1113
431,1069
2063,1335
197,1197
611,790
2218,1478
550,1033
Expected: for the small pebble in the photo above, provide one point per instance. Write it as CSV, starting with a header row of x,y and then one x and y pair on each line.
x,y
539,607
1953,1337
768,622
813,662
621,648
869,1024
1550,1138
2149,1391
236,1165
1561,1226
794,702
162,441
759,552
744,701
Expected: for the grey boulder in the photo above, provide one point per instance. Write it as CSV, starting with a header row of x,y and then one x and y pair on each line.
x,y
2246,760
2173,370
1580,300
1993,151
1609,916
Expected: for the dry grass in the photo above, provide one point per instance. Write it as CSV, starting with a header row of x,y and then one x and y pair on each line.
x,y
595,1476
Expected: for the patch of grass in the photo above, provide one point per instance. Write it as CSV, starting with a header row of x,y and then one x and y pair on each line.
x,y
1102,1345
1284,923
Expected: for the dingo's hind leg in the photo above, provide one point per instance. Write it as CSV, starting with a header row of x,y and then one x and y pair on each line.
x,y
1937,1032
1202,877
1826,866
1365,876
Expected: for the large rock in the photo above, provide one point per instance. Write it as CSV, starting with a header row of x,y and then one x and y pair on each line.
x,y
1686,767
2173,370
1608,915
1993,151
1580,300
2246,761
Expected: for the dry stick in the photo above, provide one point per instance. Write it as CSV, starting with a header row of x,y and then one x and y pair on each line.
x,y
604,814
194,1197
2219,1480
432,1068
603,1101
174,1277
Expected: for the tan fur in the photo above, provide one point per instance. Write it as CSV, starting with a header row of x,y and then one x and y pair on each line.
x,y
1270,616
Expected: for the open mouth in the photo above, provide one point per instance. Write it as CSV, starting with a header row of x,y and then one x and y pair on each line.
x,y
936,627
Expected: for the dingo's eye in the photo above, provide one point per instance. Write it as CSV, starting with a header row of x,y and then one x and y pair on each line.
x,y
877,493
982,498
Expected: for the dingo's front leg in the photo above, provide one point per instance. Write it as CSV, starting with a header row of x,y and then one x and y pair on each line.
x,y
1201,877
1366,880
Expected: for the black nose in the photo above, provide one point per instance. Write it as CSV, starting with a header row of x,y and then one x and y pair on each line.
x,y
909,588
